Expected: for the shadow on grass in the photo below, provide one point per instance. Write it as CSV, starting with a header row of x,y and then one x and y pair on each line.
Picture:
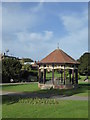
x,y
42,94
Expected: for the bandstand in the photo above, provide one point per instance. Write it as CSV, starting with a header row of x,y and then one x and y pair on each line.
x,y
62,62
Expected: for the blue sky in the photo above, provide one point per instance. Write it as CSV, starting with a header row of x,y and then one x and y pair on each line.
x,y
34,29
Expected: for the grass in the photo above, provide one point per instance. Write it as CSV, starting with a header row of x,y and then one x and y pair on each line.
x,y
21,87
26,107
43,108
82,77
82,89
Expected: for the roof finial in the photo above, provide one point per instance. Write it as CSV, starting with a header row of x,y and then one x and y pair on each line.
x,y
57,45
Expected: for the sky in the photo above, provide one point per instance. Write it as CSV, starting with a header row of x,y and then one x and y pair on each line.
x,y
33,29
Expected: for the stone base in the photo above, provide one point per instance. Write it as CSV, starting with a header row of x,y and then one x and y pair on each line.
x,y
48,86
63,86
44,86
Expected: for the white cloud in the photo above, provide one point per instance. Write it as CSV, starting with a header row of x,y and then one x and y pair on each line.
x,y
34,45
76,41
16,18
74,22
25,36
0,27
25,42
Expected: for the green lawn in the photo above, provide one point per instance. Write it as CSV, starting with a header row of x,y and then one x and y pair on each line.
x,y
16,107
44,108
82,90
21,87
82,78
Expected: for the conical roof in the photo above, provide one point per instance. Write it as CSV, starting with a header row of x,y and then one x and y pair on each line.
x,y
58,56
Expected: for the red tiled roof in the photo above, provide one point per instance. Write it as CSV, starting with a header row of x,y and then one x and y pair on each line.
x,y
58,56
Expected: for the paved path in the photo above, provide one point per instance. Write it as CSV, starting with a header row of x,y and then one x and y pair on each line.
x,y
70,98
43,95
19,83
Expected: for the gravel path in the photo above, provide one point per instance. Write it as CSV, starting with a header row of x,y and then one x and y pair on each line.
x,y
43,95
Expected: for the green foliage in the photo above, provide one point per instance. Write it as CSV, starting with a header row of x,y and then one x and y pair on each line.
x,y
0,71
10,69
28,73
24,74
78,75
66,74
0,66
57,74
38,101
84,67
27,60
26,67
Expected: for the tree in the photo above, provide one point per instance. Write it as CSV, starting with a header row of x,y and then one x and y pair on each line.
x,y
27,60
0,71
26,67
84,67
10,69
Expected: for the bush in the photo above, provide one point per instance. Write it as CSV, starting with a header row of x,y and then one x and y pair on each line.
x,y
10,69
28,76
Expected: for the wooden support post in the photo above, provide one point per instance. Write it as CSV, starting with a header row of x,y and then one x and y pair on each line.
x,y
44,76
72,76
39,75
64,75
76,76
70,71
61,76
53,74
